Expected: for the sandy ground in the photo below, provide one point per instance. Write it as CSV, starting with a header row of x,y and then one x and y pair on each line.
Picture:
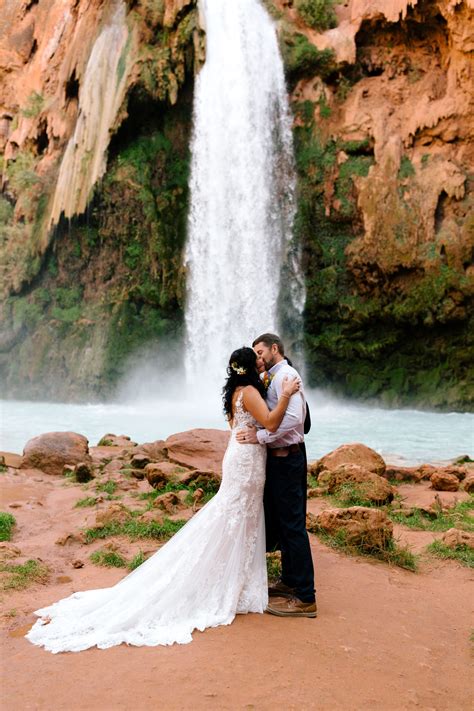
x,y
385,638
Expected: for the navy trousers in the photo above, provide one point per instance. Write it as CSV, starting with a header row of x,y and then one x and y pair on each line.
x,y
285,521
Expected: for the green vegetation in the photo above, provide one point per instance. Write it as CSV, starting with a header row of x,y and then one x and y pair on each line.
x,y
406,168
107,487
108,559
209,488
7,523
273,567
137,560
350,494
317,13
104,442
301,58
22,576
391,553
462,553
20,172
135,529
89,501
34,106
460,516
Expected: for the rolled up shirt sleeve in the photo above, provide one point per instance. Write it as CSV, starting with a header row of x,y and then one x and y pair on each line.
x,y
293,420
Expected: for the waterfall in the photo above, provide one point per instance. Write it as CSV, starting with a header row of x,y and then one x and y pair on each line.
x,y
101,93
242,188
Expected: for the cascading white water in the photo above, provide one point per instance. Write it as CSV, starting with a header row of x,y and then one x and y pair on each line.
x,y
242,187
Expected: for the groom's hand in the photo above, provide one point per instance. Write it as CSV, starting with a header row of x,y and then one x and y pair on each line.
x,y
248,436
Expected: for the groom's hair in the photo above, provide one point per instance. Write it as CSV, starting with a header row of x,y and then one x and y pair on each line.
x,y
269,339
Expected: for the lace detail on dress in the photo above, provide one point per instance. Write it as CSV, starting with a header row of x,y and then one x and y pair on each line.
x,y
212,569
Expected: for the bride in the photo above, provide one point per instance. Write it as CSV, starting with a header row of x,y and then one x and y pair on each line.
x,y
211,570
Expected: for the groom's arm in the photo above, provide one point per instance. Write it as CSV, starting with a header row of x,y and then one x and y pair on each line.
x,y
294,416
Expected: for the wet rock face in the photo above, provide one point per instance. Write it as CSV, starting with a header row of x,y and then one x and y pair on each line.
x,y
383,142
383,150
53,451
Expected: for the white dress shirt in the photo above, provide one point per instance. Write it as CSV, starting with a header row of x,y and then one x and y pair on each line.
x,y
291,429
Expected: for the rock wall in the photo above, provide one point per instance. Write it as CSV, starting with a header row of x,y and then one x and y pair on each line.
x,y
383,105
82,295
382,98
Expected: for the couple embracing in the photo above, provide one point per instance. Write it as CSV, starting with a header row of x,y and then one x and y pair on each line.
x,y
215,566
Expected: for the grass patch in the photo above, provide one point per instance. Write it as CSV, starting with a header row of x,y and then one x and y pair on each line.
x,y
135,529
108,559
22,576
108,487
7,522
273,567
210,490
88,501
391,553
459,516
104,442
462,553
350,494
136,561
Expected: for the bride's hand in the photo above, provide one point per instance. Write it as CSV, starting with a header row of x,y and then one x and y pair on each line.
x,y
290,385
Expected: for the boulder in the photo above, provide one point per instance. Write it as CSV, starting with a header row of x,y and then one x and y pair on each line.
x,y
114,513
103,455
51,452
160,473
411,474
468,483
9,459
70,538
355,453
200,448
314,492
167,502
136,473
155,451
454,538
366,484
199,477
139,461
366,528
112,440
443,481
155,516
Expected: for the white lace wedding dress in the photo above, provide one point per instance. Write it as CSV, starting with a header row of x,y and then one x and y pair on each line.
x,y
211,570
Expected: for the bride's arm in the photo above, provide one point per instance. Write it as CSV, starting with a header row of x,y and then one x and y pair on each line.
x,y
256,405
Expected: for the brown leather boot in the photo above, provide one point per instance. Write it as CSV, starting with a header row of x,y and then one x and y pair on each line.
x,y
280,590
291,607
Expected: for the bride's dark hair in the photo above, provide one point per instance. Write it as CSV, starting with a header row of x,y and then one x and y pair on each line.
x,y
242,370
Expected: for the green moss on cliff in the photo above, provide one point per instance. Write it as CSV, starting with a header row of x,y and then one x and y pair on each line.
x,y
317,13
397,338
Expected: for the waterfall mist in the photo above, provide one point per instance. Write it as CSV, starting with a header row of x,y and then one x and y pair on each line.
x,y
242,189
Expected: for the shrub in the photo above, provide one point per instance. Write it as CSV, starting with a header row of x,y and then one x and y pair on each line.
x,y
7,522
317,13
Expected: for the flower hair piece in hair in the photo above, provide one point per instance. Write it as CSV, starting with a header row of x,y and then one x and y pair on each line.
x,y
239,370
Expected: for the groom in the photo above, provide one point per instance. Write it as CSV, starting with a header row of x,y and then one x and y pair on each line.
x,y
285,488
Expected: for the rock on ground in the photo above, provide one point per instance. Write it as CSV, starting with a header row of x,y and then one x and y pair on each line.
x,y
356,453
361,526
51,452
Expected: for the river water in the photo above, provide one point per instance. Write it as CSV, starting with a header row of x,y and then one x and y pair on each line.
x,y
404,436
